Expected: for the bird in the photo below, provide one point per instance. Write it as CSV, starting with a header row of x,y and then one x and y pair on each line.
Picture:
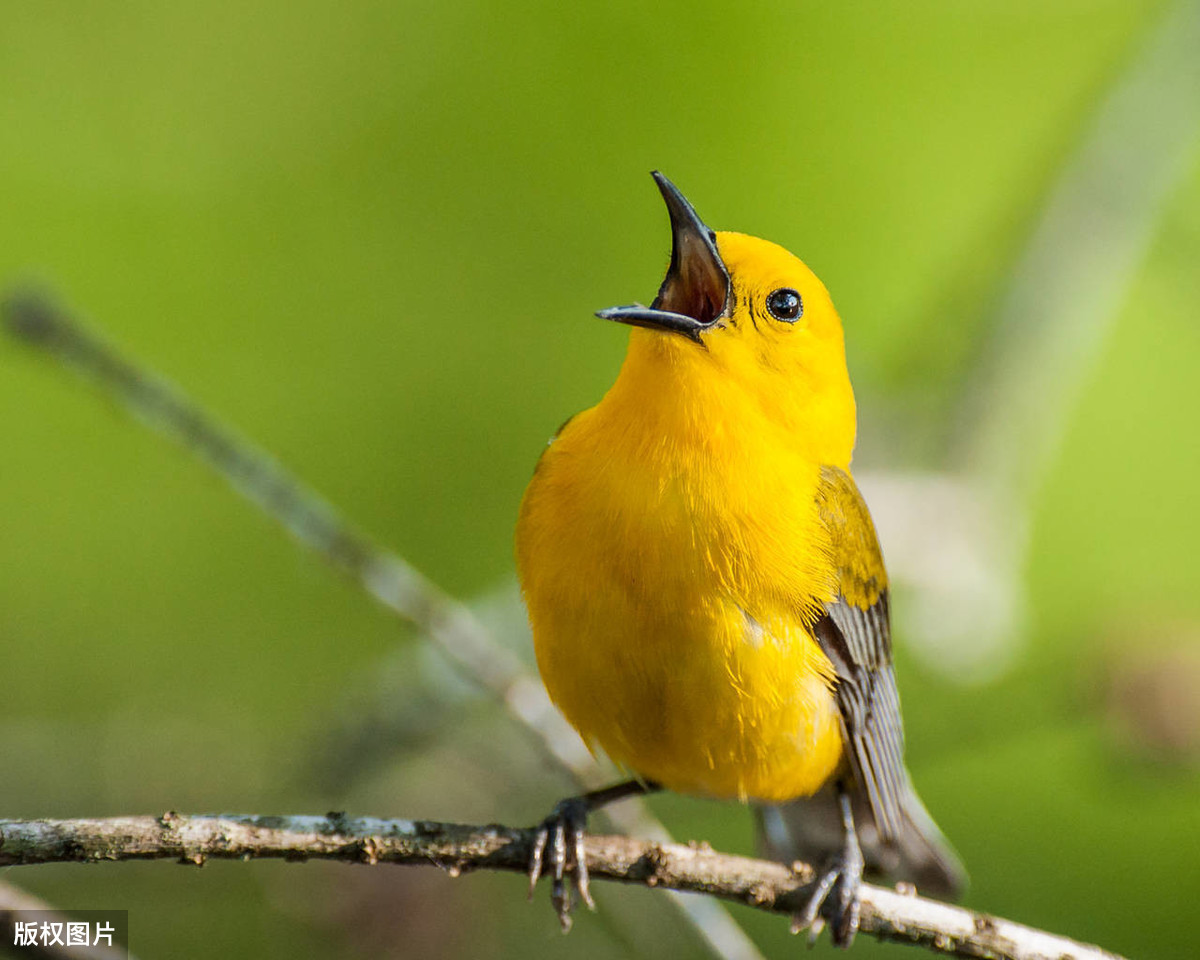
x,y
705,587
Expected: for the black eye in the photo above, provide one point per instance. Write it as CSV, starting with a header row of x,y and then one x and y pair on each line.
x,y
785,304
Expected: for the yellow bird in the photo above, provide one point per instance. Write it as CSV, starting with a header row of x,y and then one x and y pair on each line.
x,y
707,595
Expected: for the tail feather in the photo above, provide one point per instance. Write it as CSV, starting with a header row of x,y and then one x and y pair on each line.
x,y
810,829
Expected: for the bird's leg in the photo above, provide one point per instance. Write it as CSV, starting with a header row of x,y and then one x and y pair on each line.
x,y
844,874
558,844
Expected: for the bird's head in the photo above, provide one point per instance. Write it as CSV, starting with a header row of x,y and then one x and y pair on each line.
x,y
741,316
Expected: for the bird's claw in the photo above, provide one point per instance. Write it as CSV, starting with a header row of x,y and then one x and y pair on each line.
x,y
842,879
558,850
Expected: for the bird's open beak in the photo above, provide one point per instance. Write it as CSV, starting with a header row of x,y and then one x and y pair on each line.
x,y
695,293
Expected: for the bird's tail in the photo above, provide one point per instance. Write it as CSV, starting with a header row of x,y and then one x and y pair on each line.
x,y
811,830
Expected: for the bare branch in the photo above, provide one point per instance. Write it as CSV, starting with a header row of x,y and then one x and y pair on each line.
x,y
459,848
384,575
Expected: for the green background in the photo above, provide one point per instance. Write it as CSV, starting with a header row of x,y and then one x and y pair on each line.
x,y
371,235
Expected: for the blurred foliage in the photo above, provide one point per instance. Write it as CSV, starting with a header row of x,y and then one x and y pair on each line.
x,y
372,235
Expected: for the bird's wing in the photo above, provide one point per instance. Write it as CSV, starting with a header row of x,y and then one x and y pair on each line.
x,y
855,633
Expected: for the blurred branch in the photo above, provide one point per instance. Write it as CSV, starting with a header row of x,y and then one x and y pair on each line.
x,y
388,578
960,537
304,514
14,902
1076,273
458,848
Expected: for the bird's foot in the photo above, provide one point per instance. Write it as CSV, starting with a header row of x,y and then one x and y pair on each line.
x,y
842,879
557,851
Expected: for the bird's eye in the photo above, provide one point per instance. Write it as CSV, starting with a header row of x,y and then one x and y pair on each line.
x,y
785,304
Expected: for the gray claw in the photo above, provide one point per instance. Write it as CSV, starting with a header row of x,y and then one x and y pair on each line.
x,y
535,859
844,876
558,850
581,872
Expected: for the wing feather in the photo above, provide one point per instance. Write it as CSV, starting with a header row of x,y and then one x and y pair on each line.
x,y
855,633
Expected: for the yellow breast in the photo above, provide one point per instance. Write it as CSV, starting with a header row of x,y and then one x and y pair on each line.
x,y
670,570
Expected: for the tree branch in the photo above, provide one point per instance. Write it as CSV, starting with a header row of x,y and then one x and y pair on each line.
x,y
459,848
